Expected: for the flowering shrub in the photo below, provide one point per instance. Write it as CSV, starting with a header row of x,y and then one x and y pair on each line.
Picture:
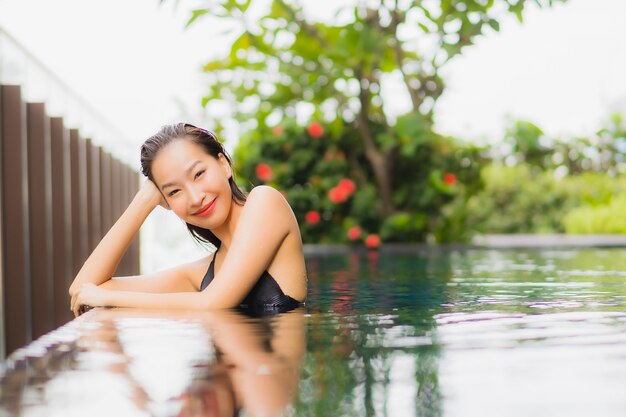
x,y
520,199
333,190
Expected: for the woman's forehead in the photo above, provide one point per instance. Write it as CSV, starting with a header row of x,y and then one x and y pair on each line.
x,y
177,157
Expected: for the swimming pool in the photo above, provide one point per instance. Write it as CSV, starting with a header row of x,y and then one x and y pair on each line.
x,y
412,333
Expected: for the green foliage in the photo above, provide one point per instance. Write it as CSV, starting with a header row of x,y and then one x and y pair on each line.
x,y
601,152
521,199
282,58
431,184
284,67
600,219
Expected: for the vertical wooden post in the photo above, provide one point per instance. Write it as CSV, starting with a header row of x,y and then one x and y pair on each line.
x,y
122,205
115,197
89,203
61,220
105,192
2,291
135,253
94,196
84,198
40,218
16,274
78,201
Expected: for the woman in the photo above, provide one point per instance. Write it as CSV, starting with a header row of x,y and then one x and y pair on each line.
x,y
258,264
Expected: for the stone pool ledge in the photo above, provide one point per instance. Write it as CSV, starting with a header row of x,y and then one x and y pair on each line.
x,y
548,241
504,241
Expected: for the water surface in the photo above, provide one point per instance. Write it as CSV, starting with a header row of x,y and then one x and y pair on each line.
x,y
438,333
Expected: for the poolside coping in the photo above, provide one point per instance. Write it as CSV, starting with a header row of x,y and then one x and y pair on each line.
x,y
503,241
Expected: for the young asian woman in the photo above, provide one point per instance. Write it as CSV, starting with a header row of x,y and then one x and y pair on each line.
x,y
258,265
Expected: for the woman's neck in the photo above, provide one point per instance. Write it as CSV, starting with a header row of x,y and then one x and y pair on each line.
x,y
227,229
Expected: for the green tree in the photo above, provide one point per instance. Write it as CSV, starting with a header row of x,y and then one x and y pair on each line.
x,y
282,60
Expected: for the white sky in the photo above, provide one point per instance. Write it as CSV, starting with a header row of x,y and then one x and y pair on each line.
x,y
564,68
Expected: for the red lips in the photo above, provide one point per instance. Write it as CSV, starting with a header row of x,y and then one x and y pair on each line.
x,y
206,210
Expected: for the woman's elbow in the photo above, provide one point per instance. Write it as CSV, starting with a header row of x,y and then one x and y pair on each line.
x,y
72,290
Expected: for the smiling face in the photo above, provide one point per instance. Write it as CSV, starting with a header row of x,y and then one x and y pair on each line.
x,y
194,183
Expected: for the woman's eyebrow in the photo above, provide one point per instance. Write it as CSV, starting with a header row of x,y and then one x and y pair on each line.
x,y
171,184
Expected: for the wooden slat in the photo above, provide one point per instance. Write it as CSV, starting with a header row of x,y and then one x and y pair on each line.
x,y
95,196
105,193
40,218
133,188
16,274
78,201
88,201
2,312
115,202
61,220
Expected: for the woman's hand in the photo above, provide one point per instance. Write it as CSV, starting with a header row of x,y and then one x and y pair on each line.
x,y
150,194
89,295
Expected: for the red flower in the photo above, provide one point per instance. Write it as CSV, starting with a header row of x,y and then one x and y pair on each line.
x,y
449,178
264,172
315,130
312,217
372,241
347,185
354,233
337,195
278,130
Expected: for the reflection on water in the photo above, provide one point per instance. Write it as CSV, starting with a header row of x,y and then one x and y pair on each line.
x,y
441,333
140,363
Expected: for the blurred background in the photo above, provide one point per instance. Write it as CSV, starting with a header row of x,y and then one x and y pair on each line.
x,y
380,121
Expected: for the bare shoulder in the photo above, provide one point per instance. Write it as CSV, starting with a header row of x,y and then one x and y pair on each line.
x,y
268,199
266,205
267,194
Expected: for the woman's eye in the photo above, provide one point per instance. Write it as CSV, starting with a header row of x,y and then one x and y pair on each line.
x,y
198,174
172,193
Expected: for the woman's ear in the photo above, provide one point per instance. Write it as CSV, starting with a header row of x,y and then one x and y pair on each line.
x,y
228,170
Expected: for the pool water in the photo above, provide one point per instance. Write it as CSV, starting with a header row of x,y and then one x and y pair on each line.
x,y
413,333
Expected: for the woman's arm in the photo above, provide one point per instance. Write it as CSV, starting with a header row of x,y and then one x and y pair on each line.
x,y
178,279
266,220
101,264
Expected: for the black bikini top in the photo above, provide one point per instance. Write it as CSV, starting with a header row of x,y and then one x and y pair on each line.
x,y
266,297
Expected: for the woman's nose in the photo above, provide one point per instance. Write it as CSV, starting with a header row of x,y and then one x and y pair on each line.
x,y
196,195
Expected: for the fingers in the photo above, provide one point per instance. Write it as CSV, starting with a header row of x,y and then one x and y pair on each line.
x,y
75,304
76,309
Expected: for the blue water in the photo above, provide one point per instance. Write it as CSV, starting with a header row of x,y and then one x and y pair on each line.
x,y
430,333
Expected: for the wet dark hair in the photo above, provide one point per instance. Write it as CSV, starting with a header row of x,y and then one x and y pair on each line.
x,y
208,141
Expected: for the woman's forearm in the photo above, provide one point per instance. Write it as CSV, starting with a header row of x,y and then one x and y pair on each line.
x,y
101,264
177,300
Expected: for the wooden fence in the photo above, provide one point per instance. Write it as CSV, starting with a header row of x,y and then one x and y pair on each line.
x,y
59,194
